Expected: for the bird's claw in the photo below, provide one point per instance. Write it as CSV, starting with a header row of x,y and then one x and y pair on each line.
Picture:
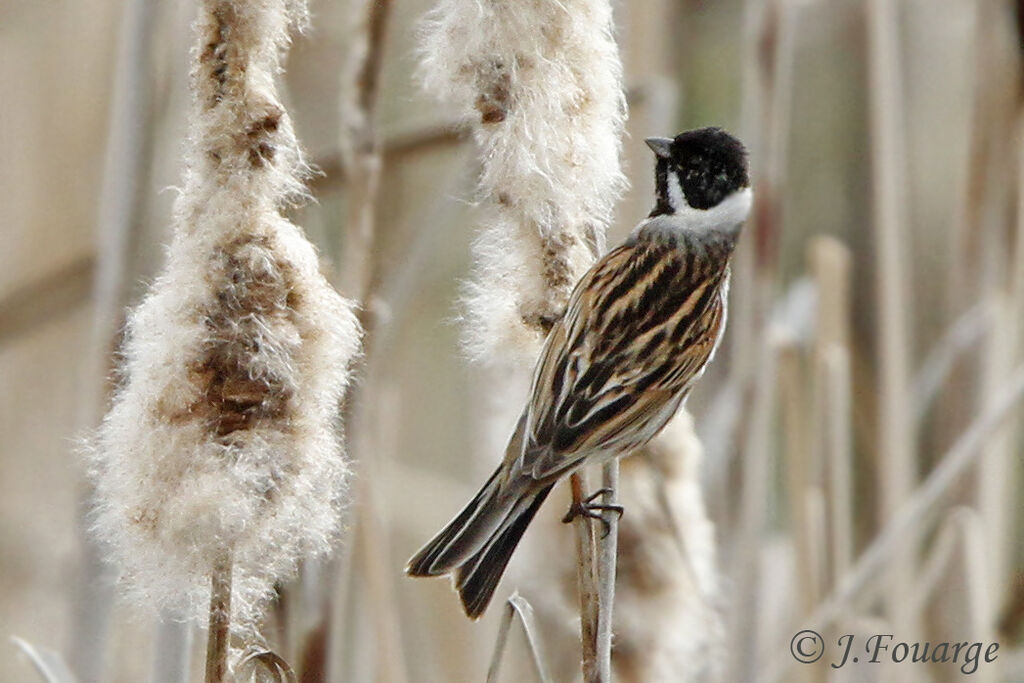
x,y
591,510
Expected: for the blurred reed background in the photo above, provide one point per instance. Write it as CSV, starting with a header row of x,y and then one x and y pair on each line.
x,y
857,441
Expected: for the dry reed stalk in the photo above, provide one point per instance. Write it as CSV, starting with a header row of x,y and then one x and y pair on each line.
x,y
965,599
124,166
770,50
360,276
770,39
172,651
48,664
754,496
361,159
837,440
218,642
816,530
953,586
935,563
668,622
124,169
803,471
802,468
995,99
1016,269
913,518
995,484
596,557
830,407
760,40
1011,613
894,463
648,41
998,476
517,607
958,340
606,563
587,586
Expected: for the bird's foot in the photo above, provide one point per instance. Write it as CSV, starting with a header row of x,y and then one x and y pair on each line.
x,y
591,510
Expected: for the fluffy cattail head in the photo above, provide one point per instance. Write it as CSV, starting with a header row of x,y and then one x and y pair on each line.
x,y
541,82
668,626
223,438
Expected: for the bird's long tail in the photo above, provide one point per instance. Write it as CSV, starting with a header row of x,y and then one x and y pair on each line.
x,y
477,545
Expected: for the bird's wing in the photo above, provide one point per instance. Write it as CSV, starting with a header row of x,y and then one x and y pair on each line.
x,y
640,326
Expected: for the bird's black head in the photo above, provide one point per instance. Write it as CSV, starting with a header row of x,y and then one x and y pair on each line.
x,y
699,168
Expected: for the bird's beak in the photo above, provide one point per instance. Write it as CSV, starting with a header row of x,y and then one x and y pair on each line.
x,y
661,146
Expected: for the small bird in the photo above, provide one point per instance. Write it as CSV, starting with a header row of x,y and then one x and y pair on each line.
x,y
638,331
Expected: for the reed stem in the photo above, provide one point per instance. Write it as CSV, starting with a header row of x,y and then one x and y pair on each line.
x,y
218,639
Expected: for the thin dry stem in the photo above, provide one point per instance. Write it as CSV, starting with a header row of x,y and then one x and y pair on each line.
x,y
607,554
271,662
360,275
218,639
172,646
896,433
959,339
913,518
517,606
362,162
837,440
753,504
48,664
830,408
801,466
587,583
124,166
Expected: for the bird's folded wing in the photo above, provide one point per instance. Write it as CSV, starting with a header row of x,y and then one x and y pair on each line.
x,y
640,326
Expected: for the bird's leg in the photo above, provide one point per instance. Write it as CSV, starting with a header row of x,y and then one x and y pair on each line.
x,y
585,507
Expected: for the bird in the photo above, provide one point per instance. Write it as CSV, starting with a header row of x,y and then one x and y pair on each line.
x,y
639,329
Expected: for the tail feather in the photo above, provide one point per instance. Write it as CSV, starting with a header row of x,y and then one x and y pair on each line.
x,y
477,578
476,546
464,535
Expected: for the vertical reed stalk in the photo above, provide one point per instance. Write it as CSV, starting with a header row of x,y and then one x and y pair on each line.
x,y
218,638
770,53
755,491
801,466
587,581
360,277
607,554
835,382
894,465
124,165
830,408
172,657
361,157
596,563
996,484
